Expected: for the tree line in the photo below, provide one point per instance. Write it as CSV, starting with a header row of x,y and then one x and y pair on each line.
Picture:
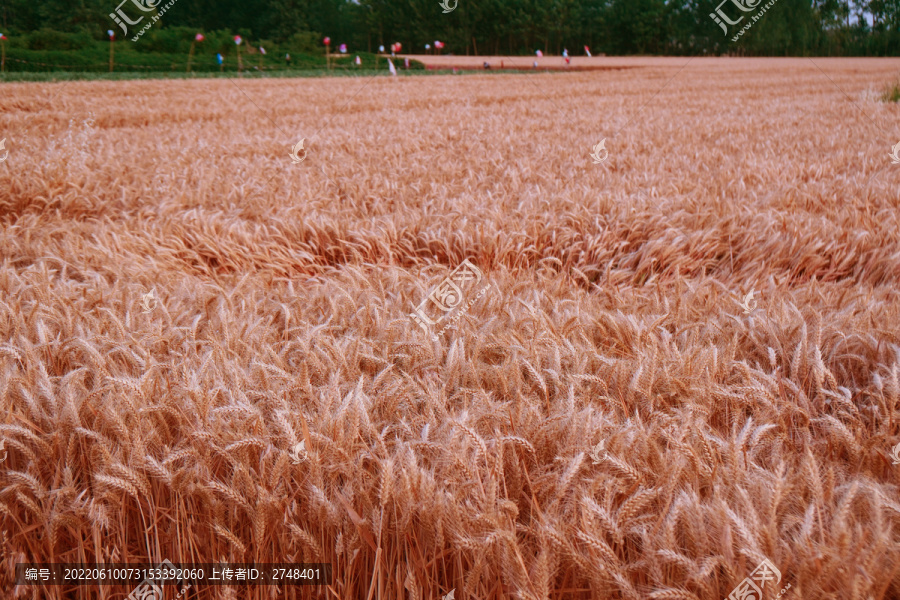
x,y
509,27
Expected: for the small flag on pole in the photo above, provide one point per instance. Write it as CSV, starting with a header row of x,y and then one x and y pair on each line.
x,y
381,49
219,58
342,48
237,40
327,41
112,45
391,67
197,38
358,61
587,50
262,50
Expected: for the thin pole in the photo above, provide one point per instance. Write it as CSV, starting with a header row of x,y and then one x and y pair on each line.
x,y
190,56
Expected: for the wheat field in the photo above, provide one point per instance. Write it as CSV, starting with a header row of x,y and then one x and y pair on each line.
x,y
182,306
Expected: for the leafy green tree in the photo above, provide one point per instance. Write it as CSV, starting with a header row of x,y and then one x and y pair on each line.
x,y
515,27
